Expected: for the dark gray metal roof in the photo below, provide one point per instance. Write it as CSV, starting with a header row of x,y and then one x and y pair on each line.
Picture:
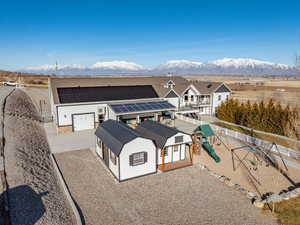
x,y
105,93
115,135
222,88
156,131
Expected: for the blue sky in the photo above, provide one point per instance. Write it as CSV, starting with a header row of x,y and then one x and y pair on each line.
x,y
146,32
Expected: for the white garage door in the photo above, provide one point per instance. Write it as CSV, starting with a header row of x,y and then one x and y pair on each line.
x,y
83,121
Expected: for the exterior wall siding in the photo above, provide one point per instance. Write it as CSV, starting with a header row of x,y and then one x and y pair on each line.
x,y
137,145
114,168
98,149
174,101
65,112
169,146
216,102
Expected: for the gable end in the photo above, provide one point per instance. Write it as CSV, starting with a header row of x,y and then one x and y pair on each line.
x,y
171,94
222,88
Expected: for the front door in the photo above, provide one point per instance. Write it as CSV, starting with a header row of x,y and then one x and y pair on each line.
x,y
176,153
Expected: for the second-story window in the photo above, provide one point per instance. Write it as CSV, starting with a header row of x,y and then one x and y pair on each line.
x,y
219,97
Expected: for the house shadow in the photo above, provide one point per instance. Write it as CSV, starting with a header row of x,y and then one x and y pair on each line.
x,y
25,205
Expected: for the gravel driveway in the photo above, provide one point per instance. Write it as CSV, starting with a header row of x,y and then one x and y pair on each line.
x,y
184,196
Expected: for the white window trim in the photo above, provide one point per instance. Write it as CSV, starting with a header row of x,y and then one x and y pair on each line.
x,y
138,158
113,158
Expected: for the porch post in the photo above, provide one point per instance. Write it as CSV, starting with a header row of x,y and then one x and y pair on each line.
x,y
156,117
162,158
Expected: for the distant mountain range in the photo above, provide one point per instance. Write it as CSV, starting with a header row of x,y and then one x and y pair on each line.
x,y
226,66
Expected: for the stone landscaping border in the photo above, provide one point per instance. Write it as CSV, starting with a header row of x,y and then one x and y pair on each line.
x,y
256,200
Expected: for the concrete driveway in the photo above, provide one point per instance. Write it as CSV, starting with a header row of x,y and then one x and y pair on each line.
x,y
69,141
184,196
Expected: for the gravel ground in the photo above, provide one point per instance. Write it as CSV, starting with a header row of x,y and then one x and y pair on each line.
x,y
184,196
35,196
269,178
40,98
4,91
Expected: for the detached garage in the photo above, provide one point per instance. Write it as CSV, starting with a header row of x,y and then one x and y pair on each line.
x,y
125,152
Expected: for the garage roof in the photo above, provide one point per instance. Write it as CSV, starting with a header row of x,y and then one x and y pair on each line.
x,y
156,131
142,106
115,135
157,82
104,93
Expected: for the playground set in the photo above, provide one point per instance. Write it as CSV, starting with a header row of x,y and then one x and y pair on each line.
x,y
250,164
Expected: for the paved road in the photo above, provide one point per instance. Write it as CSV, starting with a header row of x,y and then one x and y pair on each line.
x,y
184,196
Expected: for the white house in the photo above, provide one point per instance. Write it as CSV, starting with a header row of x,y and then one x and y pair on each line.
x,y
172,144
83,103
125,151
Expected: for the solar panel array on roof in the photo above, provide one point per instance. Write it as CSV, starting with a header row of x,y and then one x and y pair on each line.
x,y
104,93
143,106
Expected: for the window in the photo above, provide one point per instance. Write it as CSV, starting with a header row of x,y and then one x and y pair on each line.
x,y
219,97
192,98
113,158
99,143
176,148
186,98
165,151
138,158
170,84
179,139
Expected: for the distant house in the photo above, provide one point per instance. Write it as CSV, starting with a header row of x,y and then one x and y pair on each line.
x,y
84,103
126,152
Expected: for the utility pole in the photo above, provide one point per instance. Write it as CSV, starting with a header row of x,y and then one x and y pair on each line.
x,y
56,68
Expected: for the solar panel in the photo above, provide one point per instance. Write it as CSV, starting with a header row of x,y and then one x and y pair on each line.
x,y
142,106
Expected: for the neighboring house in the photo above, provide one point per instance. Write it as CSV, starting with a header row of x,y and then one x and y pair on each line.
x,y
126,152
172,144
204,97
83,103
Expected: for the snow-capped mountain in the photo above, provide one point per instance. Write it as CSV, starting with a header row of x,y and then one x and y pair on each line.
x,y
226,66
112,67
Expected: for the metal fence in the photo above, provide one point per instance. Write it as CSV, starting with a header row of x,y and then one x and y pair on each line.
x,y
190,120
245,138
261,132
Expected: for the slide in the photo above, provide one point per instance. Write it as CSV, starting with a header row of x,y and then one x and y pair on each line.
x,y
211,151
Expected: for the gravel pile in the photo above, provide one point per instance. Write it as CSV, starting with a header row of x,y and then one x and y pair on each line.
x,y
35,196
4,91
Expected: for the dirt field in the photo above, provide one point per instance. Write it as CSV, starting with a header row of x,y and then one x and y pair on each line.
x,y
270,179
281,89
183,196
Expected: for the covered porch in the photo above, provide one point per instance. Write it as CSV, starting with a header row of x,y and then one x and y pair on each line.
x,y
175,165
